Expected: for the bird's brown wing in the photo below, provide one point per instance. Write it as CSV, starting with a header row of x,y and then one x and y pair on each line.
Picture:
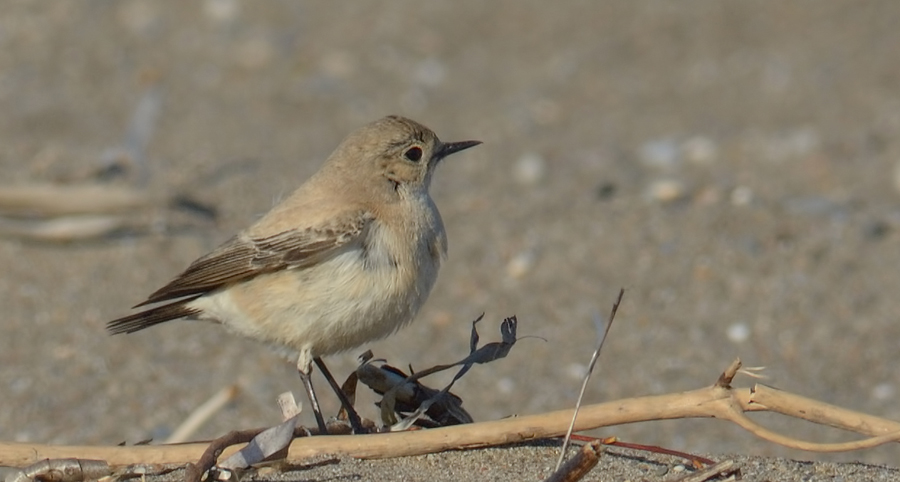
x,y
244,257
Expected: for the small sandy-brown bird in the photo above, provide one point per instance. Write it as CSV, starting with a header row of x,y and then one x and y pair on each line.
x,y
347,258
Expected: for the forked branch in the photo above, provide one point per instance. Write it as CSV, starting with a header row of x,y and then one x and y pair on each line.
x,y
718,401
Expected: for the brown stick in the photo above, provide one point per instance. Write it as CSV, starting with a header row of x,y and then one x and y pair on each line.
x,y
578,466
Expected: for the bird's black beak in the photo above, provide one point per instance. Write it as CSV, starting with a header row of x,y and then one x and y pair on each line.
x,y
448,148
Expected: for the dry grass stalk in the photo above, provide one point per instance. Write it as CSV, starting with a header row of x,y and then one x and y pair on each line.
x,y
587,376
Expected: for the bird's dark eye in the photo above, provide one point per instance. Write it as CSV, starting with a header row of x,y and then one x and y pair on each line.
x,y
414,154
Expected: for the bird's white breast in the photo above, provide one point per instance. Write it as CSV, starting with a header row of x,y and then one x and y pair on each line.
x,y
363,293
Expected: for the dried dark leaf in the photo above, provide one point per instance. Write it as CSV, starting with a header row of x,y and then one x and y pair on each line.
x,y
405,395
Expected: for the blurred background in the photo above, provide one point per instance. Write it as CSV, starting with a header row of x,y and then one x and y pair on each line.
x,y
735,166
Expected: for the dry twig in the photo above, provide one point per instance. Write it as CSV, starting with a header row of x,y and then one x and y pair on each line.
x,y
579,465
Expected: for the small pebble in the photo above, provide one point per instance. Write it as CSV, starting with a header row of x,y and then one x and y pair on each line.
x,y
660,154
884,391
666,190
521,264
506,385
738,332
576,371
530,169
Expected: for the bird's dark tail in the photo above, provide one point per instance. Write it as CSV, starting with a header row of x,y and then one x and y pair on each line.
x,y
153,316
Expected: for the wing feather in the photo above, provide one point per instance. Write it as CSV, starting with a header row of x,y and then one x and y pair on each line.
x,y
243,257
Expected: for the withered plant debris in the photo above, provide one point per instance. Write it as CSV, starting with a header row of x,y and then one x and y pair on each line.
x,y
409,396
403,395
578,466
213,450
267,443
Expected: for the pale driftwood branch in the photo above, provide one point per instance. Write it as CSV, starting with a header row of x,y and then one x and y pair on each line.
x,y
52,200
718,401
62,229
66,213
775,400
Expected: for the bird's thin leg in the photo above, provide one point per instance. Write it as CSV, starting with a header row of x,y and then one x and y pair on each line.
x,y
355,421
304,367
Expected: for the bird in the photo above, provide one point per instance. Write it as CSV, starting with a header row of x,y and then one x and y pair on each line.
x,y
348,258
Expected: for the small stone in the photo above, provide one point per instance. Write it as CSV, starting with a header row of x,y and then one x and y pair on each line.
x,y
520,264
660,154
576,371
506,385
884,391
666,190
530,169
738,332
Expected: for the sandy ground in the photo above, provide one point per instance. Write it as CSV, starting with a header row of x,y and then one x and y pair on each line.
x,y
734,166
